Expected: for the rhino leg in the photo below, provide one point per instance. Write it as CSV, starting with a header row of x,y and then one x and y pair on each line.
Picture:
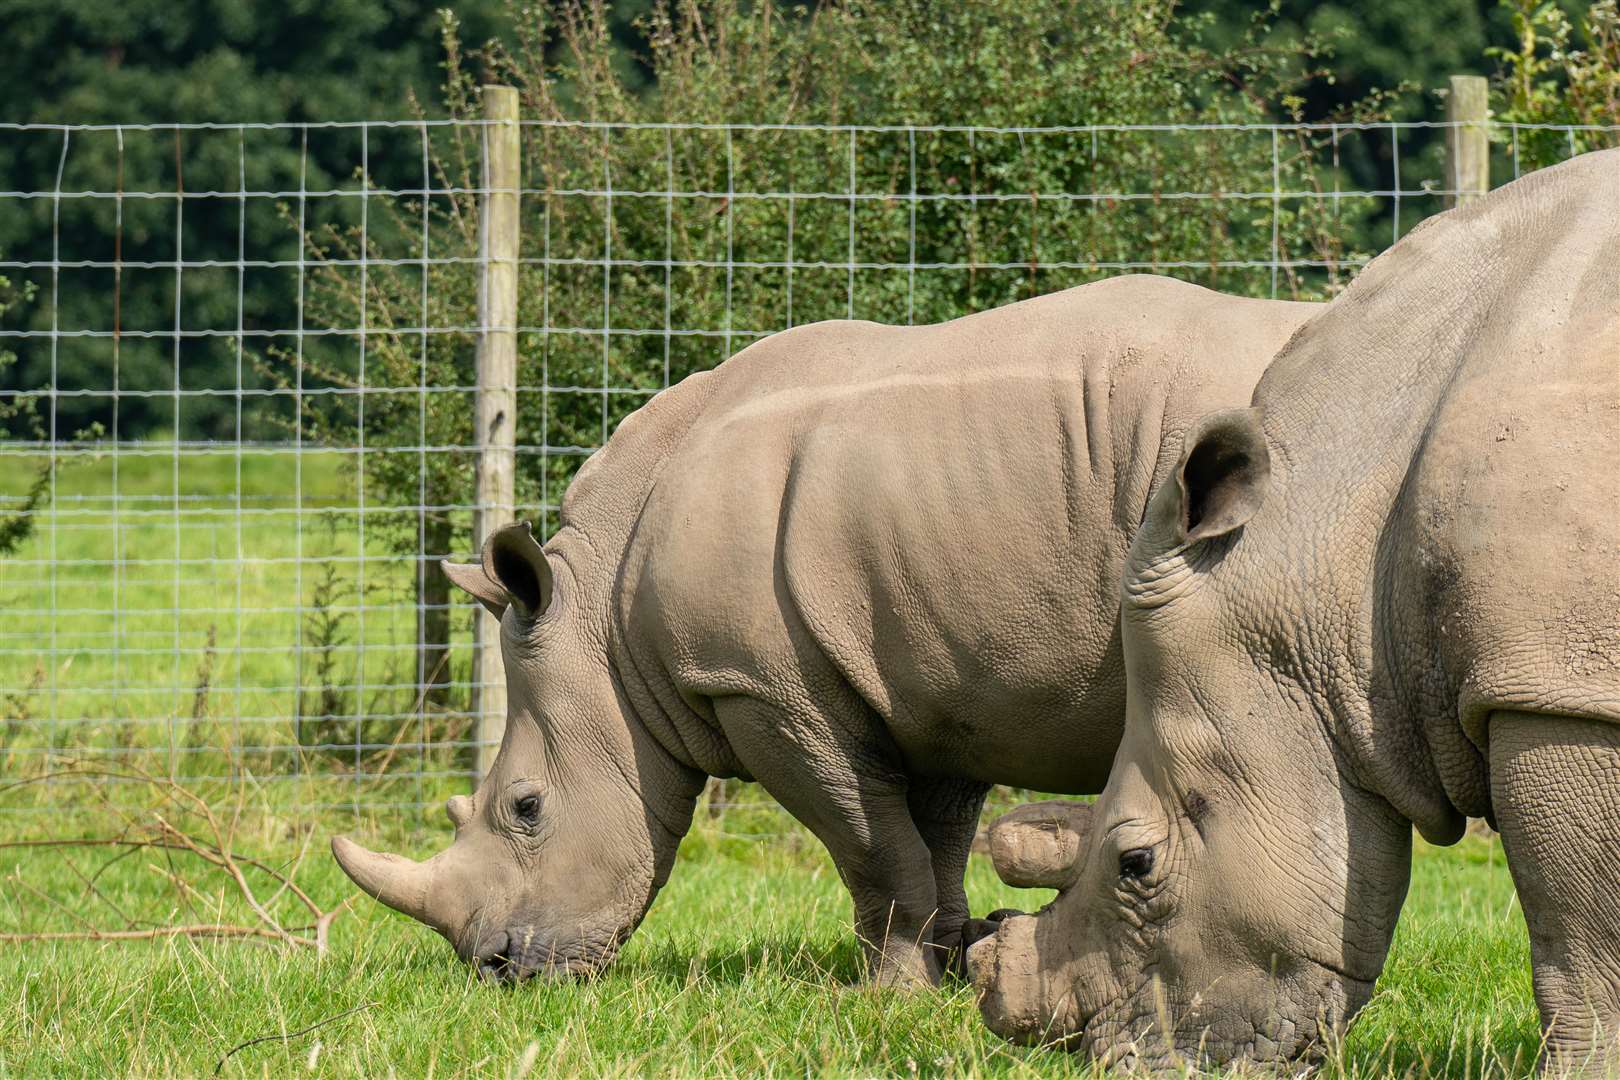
x,y
946,813
829,778
1555,785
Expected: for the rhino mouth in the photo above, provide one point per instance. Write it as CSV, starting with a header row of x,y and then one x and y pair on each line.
x,y
524,952
1286,1042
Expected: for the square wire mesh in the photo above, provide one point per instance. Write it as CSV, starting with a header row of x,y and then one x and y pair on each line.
x,y
238,373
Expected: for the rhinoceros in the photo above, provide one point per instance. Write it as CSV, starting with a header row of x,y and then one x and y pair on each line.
x,y
871,567
1386,595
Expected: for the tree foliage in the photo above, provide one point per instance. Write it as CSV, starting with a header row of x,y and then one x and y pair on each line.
x,y
746,263
19,422
190,61
1378,46
1560,71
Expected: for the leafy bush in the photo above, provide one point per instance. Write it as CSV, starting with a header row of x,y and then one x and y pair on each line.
x,y
1042,64
626,287
19,420
1545,79
29,478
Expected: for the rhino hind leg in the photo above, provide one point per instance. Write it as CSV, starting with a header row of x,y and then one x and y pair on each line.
x,y
1555,786
828,778
946,813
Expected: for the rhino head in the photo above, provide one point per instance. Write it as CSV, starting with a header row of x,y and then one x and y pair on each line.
x,y
1232,893
560,851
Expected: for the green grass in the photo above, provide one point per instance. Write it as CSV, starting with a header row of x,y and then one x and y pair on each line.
x,y
167,610
743,966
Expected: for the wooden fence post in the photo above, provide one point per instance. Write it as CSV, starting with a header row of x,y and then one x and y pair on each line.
x,y
495,423
1468,144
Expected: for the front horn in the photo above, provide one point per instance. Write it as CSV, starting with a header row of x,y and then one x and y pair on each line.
x,y
394,880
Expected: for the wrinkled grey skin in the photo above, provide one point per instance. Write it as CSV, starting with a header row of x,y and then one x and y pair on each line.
x,y
873,568
1386,596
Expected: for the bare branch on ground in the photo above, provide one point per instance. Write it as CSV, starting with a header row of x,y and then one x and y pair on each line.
x,y
206,839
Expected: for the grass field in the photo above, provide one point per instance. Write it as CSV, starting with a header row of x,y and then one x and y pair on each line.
x,y
185,608
742,968
175,632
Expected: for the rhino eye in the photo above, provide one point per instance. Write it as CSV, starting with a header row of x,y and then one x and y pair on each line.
x,y
1136,863
527,809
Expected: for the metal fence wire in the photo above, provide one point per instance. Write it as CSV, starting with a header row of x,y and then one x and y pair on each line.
x,y
238,372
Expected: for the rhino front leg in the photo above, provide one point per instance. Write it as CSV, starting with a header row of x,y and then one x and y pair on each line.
x,y
946,813
892,885
1555,784
838,786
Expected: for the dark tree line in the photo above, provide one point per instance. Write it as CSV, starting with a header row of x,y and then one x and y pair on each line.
x,y
144,61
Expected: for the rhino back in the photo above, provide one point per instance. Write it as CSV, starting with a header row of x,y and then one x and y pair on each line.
x,y
1440,536
1506,541
941,514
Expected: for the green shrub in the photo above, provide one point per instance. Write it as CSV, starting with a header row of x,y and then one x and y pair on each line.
x,y
763,233
1546,79
1047,63
19,420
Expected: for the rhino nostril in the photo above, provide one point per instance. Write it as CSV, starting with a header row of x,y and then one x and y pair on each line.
x,y
498,967
492,958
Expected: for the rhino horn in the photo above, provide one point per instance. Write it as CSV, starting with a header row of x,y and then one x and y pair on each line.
x,y
1038,845
394,880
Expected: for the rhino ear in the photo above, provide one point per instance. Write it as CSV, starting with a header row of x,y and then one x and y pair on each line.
x,y
1222,476
470,578
514,561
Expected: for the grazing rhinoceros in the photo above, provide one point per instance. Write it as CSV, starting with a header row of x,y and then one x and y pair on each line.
x,y
1386,596
872,567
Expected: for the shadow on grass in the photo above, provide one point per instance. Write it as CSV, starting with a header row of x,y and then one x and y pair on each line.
x,y
828,964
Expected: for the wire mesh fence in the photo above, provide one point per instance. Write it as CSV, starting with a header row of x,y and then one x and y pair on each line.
x,y
237,372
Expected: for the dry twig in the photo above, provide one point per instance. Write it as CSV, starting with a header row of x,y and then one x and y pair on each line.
x,y
292,1034
212,844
